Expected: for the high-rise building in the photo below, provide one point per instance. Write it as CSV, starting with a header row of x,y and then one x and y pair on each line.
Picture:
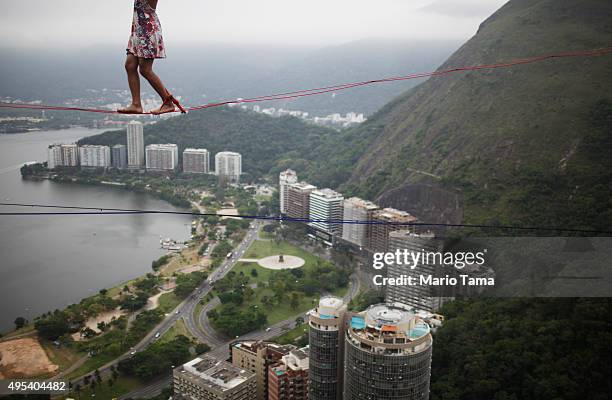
x,y
387,355
298,200
207,378
325,207
420,297
95,156
162,157
383,222
356,209
327,324
196,161
285,179
288,380
54,156
119,156
228,166
135,145
70,155
257,356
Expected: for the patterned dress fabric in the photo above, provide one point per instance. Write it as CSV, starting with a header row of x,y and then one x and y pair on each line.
x,y
146,40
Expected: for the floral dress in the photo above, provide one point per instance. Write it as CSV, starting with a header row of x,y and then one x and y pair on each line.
x,y
146,40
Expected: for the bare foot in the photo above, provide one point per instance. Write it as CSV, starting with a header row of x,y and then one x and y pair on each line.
x,y
166,107
131,109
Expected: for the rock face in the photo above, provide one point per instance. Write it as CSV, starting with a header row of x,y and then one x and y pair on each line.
x,y
430,201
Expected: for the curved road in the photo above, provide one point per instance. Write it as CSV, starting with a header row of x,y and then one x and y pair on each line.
x,y
185,308
221,350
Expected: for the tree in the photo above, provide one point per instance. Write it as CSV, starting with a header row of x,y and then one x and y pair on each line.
x,y
20,322
103,292
266,301
202,348
254,273
295,300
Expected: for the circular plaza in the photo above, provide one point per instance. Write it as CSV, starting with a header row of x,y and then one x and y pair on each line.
x,y
279,262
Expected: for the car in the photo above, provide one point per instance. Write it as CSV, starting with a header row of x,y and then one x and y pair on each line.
x,y
178,312
132,353
157,335
268,329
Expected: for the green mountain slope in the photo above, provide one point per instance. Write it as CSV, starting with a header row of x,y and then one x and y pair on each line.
x,y
511,349
523,145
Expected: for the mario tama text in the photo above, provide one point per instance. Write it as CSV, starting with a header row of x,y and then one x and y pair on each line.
x,y
430,268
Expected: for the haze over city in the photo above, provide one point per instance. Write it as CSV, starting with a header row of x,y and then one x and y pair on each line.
x,y
313,23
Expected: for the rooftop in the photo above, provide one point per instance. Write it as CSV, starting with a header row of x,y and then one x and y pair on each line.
x,y
303,186
162,146
393,215
215,373
368,205
328,194
388,327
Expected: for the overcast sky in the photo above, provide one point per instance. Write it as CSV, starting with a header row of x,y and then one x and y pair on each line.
x,y
61,23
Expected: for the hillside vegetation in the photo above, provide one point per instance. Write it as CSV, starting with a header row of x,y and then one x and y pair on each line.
x,y
524,145
265,143
513,349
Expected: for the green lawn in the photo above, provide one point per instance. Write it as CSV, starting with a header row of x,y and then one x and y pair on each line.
x,y
265,248
265,235
105,392
168,302
63,356
290,336
282,311
92,364
177,329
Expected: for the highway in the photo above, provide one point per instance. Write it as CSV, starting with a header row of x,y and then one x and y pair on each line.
x,y
186,308
198,325
221,350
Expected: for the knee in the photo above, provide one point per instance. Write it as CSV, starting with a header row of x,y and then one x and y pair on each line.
x,y
131,66
146,71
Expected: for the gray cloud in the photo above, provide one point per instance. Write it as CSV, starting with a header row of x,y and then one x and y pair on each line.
x,y
462,8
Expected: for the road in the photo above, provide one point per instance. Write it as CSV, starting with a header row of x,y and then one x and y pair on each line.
x,y
221,350
192,322
186,308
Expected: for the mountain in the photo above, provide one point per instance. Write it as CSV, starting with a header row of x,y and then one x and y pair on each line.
x,y
523,348
526,145
352,62
211,72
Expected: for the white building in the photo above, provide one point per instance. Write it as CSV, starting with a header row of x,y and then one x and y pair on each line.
x,y
358,210
54,156
95,156
196,161
228,165
135,145
285,179
325,206
162,157
208,378
70,155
